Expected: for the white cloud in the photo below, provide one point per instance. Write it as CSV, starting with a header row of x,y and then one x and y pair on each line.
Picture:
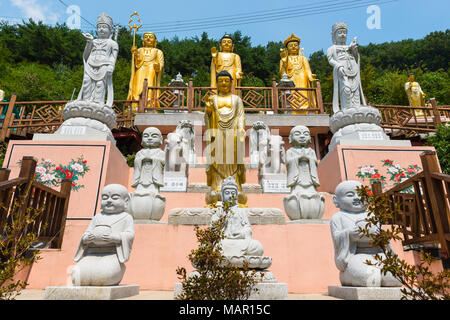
x,y
33,10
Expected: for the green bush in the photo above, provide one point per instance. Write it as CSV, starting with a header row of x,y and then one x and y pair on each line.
x,y
441,142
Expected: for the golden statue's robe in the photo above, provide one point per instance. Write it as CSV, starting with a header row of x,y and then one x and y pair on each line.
x,y
298,70
227,61
225,134
144,61
416,96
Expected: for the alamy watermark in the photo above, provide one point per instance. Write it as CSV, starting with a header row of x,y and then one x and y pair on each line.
x,y
374,20
74,19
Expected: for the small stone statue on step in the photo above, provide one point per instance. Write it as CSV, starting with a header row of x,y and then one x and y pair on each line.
x,y
304,202
351,251
148,178
106,245
238,232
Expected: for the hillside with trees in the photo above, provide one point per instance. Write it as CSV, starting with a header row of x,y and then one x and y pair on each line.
x,y
40,62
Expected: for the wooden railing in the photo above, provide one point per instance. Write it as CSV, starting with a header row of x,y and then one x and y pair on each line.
x,y
424,216
259,99
409,121
52,205
23,118
31,117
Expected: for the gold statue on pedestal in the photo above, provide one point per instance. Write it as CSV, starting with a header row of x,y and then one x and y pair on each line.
x,y
226,60
148,63
225,138
297,68
415,95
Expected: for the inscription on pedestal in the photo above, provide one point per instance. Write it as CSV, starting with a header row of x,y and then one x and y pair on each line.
x,y
73,130
370,135
274,186
172,184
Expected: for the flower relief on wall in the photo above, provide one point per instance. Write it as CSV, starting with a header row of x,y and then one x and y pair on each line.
x,y
393,175
50,175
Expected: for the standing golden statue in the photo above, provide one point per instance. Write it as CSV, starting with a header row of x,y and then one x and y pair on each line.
x,y
415,94
225,138
147,63
297,68
226,60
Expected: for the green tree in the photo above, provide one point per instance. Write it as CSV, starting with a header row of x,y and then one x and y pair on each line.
x,y
440,141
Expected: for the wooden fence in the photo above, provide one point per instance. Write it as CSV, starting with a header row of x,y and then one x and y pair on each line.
x,y
50,223
260,99
26,118
424,215
409,121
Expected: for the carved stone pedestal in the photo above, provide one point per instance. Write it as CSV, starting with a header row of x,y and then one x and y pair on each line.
x,y
365,293
91,293
202,216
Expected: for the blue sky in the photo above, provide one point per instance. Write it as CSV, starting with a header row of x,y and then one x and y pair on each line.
x,y
275,20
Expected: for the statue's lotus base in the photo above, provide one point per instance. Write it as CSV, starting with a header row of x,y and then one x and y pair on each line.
x,y
82,129
304,206
147,206
91,293
365,293
254,262
202,216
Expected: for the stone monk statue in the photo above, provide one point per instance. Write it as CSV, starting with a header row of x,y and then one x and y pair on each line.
x,y
225,138
226,60
238,232
106,245
148,178
148,64
350,249
296,66
304,202
99,59
346,72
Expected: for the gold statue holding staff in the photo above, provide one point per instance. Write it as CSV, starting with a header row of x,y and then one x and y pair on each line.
x,y
415,94
226,60
297,68
225,138
147,63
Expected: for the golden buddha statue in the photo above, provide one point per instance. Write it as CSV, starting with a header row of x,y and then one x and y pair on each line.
x,y
415,94
147,63
225,138
296,66
226,60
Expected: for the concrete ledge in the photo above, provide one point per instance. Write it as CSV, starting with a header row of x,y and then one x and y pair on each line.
x,y
309,221
202,216
91,293
140,221
365,293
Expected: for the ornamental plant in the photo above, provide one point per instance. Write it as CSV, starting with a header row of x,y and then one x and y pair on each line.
x,y
418,281
51,175
215,278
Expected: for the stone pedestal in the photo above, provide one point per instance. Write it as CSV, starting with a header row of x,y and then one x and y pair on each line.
x,y
202,216
91,293
356,123
365,293
274,183
267,287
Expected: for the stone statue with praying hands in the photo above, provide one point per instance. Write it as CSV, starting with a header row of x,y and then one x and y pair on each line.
x,y
304,202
